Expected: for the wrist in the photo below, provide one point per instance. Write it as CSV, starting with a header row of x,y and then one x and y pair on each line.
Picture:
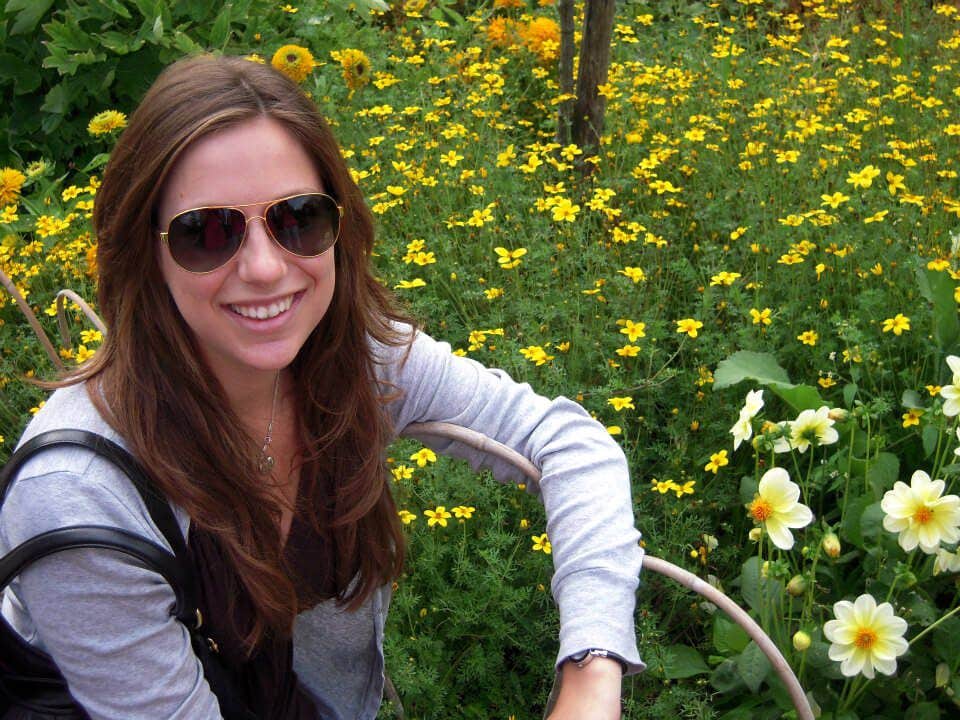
x,y
585,657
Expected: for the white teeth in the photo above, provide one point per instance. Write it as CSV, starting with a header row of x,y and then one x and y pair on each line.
x,y
263,312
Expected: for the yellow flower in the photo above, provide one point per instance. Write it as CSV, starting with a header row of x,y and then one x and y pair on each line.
x,y
509,259
835,200
541,543
106,122
724,278
761,317
438,516
894,183
808,337
402,472
11,182
633,330
565,210
406,517
542,37
876,217
912,417
452,158
424,456
628,351
689,326
536,354
83,354
293,61
464,511
9,215
634,273
863,178
865,637
409,284
621,403
717,461
896,324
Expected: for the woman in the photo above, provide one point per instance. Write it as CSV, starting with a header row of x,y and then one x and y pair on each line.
x,y
258,370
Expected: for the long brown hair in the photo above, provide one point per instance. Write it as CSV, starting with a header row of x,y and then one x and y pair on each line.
x,y
153,386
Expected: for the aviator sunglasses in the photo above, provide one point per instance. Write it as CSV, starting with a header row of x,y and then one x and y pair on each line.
x,y
206,238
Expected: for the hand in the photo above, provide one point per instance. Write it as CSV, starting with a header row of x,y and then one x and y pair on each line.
x,y
592,691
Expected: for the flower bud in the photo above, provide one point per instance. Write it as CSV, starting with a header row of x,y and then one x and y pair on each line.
x,y
801,641
831,544
755,534
838,414
797,585
942,675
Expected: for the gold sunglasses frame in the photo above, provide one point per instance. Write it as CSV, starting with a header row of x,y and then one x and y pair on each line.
x,y
246,226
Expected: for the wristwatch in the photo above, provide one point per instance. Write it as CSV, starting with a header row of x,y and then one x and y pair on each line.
x,y
583,658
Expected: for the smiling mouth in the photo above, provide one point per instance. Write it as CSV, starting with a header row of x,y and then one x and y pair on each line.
x,y
264,312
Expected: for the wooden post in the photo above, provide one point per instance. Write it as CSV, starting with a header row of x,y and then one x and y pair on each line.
x,y
594,62
567,51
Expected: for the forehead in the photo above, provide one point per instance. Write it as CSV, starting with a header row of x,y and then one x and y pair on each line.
x,y
252,162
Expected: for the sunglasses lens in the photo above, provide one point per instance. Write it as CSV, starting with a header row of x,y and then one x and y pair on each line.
x,y
203,240
306,225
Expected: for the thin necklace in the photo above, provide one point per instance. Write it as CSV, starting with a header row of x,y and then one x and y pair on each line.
x,y
265,461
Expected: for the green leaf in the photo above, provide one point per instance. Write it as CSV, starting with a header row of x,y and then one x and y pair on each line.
x,y
748,489
116,7
750,583
871,522
220,32
747,365
946,639
937,287
930,435
911,399
726,678
728,637
57,100
29,13
849,393
923,711
682,661
97,162
763,369
753,666
158,28
850,523
883,472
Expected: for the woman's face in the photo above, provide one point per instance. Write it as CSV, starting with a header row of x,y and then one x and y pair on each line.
x,y
256,161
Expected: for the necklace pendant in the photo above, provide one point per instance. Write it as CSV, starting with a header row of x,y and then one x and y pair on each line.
x,y
265,464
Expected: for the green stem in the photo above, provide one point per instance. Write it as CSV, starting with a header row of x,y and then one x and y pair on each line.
x,y
931,627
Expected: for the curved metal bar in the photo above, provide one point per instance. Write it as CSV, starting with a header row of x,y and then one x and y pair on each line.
x,y
32,319
84,307
686,578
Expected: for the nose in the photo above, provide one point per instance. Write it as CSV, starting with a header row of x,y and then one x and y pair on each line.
x,y
261,260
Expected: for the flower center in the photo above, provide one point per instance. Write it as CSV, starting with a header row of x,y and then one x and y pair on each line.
x,y
865,638
292,58
760,509
923,515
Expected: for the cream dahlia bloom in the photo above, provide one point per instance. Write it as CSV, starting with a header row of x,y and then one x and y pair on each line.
x,y
946,561
812,427
920,515
777,509
743,429
951,393
865,637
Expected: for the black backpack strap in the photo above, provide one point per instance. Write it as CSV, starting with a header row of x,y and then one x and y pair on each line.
x,y
155,557
157,505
